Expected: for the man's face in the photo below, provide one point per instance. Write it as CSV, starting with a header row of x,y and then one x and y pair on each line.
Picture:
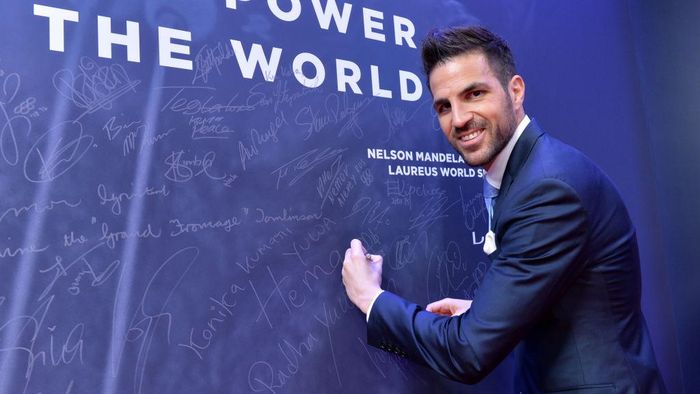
x,y
476,114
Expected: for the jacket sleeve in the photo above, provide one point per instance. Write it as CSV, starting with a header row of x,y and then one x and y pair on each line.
x,y
540,251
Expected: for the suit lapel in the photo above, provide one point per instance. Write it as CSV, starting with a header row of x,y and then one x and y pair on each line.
x,y
518,157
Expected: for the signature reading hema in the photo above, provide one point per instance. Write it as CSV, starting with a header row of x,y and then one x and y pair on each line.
x,y
173,50
563,289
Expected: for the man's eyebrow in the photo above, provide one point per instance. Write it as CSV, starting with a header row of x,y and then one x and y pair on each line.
x,y
439,102
469,88
474,86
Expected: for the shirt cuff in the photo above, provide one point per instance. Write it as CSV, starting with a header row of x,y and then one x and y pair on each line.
x,y
369,309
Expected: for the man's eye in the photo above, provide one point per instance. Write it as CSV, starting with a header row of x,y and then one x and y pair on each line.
x,y
477,93
443,108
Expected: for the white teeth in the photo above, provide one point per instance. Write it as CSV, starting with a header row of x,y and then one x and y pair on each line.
x,y
470,137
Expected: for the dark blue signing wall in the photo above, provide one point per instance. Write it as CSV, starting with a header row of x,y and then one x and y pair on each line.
x,y
181,179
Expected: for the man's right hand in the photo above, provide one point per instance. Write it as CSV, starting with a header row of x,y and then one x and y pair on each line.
x,y
362,275
449,306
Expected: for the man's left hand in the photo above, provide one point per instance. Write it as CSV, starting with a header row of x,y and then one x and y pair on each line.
x,y
362,275
449,306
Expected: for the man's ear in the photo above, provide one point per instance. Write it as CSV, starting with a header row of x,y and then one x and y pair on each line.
x,y
516,90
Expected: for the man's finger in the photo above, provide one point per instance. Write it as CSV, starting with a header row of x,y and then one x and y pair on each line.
x,y
357,249
437,303
440,311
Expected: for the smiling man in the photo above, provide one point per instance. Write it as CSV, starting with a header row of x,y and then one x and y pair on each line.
x,y
563,289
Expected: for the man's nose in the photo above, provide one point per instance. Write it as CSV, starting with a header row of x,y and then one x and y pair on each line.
x,y
461,115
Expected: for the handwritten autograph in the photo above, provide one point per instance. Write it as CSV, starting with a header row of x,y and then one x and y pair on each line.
x,y
183,170
93,87
304,164
59,157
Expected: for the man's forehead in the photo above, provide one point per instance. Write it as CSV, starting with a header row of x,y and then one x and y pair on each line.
x,y
468,68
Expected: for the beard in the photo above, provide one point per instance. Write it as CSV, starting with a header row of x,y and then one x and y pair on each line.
x,y
496,139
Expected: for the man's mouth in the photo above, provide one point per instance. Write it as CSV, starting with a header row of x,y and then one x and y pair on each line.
x,y
470,136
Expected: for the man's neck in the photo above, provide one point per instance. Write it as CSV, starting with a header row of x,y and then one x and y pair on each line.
x,y
496,169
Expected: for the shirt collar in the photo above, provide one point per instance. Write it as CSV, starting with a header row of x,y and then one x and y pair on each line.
x,y
495,175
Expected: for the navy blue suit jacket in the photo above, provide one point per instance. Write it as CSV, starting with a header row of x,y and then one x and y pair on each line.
x,y
562,291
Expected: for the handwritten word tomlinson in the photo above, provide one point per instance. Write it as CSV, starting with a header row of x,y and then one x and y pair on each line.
x,y
287,215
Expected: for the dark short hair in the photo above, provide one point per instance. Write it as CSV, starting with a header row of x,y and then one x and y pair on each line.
x,y
441,45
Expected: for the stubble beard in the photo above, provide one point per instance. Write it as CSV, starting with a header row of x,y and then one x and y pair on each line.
x,y
500,137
